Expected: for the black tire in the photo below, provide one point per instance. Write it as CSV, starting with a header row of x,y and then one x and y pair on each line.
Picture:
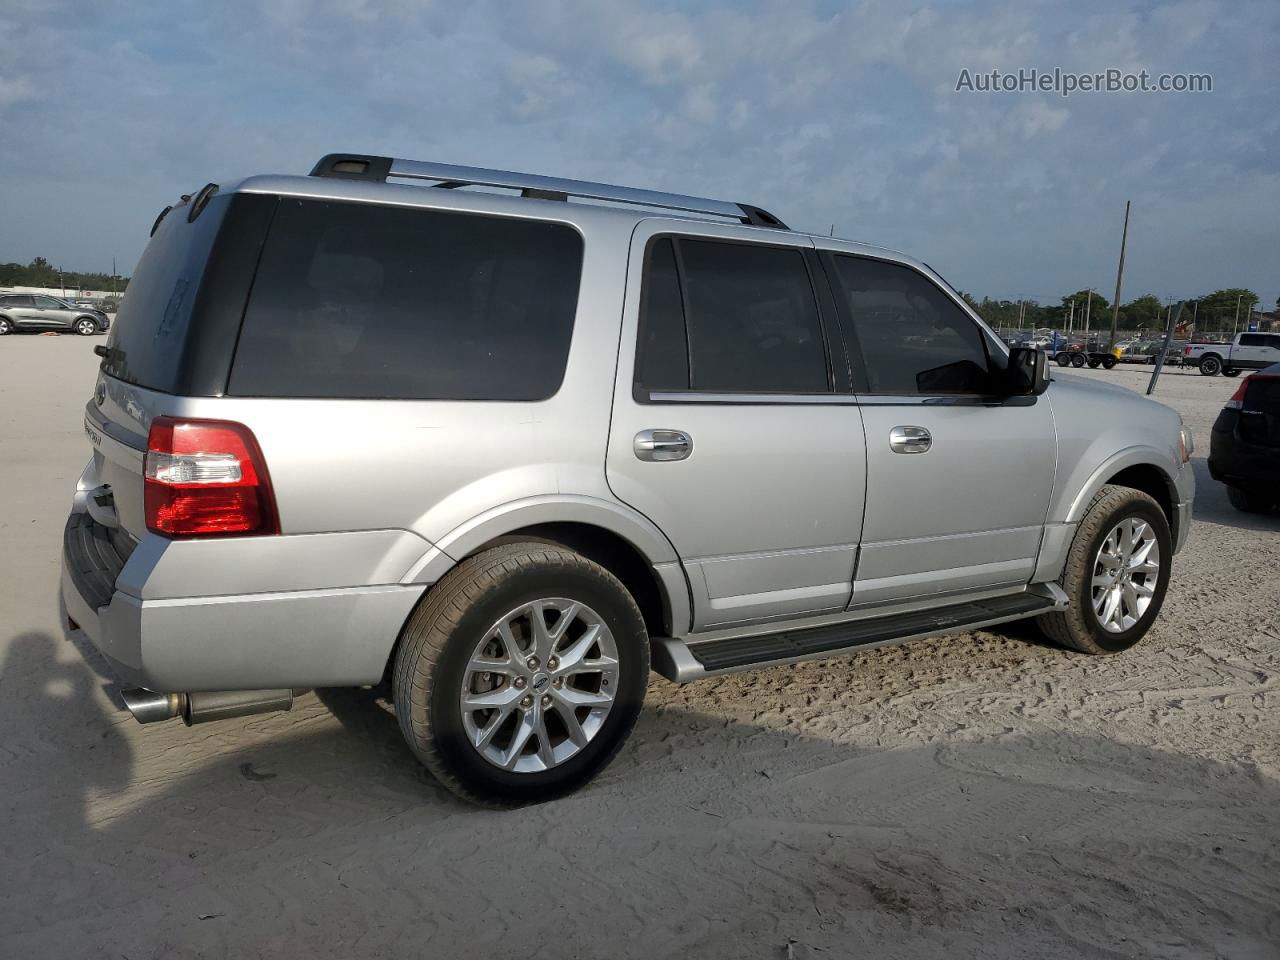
x,y
1230,372
1108,362
1093,363
438,640
1248,500
1077,360
86,327
1077,627
1210,365
1064,359
6,326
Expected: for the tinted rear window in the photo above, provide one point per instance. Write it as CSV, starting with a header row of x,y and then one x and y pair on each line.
x,y
358,300
149,333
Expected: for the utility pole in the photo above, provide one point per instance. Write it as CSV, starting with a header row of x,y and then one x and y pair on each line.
x,y
1236,322
115,284
1088,309
1115,307
1071,318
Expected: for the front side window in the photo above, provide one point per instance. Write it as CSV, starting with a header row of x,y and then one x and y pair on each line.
x,y
913,338
1252,340
48,303
725,317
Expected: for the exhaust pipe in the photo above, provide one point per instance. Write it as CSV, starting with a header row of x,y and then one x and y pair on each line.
x,y
147,706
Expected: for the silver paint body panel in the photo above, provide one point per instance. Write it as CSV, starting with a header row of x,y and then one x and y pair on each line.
x,y
786,509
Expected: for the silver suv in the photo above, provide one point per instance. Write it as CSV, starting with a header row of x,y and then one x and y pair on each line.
x,y
501,453
25,311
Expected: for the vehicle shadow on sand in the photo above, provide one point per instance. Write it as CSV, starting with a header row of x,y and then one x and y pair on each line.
x,y
316,833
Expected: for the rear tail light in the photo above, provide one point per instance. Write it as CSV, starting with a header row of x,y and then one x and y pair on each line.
x,y
1186,351
207,478
1237,399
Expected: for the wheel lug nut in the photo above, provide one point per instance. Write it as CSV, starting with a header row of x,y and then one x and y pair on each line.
x,y
519,683
558,682
527,702
546,699
553,663
532,663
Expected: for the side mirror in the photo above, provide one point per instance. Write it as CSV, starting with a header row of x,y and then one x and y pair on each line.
x,y
1028,374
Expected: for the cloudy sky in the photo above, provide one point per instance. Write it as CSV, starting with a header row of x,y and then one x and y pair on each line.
x,y
821,111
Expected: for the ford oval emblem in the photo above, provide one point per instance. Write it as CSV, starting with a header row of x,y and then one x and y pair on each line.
x,y
100,394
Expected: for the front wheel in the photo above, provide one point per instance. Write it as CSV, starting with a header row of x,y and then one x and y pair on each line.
x,y
86,328
6,326
521,673
1116,574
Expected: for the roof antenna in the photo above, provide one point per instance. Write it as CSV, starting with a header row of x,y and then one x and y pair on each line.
x,y
832,231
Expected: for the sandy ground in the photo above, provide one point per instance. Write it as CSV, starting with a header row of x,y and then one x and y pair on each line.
x,y
980,795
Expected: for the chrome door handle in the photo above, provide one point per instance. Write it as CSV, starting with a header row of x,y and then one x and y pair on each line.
x,y
910,440
660,445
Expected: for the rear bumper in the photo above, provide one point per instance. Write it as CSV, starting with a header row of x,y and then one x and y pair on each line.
x,y
235,641
1237,463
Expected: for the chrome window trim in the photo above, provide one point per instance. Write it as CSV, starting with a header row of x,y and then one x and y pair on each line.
x,y
754,399
835,399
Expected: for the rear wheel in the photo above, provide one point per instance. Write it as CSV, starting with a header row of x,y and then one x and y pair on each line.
x,y
6,326
521,674
1116,574
1108,362
1210,365
1093,363
1064,359
1077,359
86,327
1250,500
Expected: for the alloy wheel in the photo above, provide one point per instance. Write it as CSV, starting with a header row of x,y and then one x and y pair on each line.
x,y
1125,573
539,685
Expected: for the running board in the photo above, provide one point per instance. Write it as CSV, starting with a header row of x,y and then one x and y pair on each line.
x,y
683,662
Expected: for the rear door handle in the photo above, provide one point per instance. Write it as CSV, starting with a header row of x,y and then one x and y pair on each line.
x,y
910,440
660,445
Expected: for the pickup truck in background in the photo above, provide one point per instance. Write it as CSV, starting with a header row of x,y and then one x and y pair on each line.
x,y
1246,351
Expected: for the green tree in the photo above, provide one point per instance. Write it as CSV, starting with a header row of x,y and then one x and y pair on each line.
x,y
1218,311
1142,312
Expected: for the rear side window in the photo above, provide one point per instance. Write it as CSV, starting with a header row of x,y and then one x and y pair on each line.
x,y
723,317
148,338
913,338
365,301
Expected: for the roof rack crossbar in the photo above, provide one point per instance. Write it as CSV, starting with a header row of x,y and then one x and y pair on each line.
x,y
362,167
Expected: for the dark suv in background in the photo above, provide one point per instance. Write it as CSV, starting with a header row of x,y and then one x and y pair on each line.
x,y
26,311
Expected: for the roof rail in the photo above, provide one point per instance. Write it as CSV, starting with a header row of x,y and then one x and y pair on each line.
x,y
355,166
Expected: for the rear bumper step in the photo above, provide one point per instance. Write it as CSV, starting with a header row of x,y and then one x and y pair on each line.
x,y
683,662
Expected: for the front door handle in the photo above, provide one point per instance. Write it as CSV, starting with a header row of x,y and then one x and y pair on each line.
x,y
910,440
660,445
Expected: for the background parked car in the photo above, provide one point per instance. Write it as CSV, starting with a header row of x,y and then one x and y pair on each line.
x,y
25,311
1244,447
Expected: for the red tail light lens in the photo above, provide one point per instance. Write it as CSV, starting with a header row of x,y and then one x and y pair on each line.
x,y
1237,399
206,478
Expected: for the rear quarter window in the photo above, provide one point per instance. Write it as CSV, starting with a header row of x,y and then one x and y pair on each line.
x,y
355,300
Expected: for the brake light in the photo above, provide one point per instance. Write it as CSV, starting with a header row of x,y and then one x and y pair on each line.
x,y
1237,399
206,478
1186,351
